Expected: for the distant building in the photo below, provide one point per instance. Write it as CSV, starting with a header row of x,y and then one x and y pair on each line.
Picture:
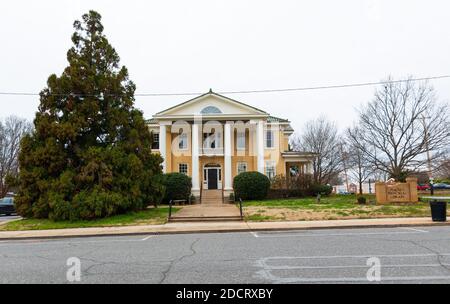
x,y
367,188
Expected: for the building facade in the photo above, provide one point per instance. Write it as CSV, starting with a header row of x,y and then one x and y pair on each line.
x,y
212,138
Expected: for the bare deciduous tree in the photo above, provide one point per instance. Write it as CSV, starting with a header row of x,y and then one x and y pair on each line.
x,y
11,132
400,124
360,168
320,136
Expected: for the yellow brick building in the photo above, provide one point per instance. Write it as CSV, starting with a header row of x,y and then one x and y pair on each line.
x,y
212,138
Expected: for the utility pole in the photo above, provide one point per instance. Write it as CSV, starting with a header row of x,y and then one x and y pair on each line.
x,y
430,176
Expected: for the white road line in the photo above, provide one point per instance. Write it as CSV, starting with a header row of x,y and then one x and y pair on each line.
x,y
146,238
278,280
414,229
355,256
267,271
283,267
339,234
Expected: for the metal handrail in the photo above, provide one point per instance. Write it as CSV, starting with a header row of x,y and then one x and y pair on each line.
x,y
170,209
240,208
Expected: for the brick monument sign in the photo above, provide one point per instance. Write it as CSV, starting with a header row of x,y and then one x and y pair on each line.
x,y
394,192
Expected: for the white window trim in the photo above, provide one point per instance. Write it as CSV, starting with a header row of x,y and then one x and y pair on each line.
x,y
210,137
273,139
159,141
187,168
237,140
179,141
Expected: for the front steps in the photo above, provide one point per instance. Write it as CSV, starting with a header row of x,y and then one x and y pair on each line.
x,y
211,209
212,197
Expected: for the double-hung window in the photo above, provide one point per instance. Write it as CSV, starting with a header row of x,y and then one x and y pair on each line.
x,y
212,140
269,139
182,141
155,143
240,141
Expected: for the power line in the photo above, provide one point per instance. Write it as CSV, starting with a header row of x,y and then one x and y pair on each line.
x,y
327,87
338,86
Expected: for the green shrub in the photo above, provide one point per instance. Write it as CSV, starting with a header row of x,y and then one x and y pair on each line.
x,y
361,200
178,186
251,185
231,198
320,189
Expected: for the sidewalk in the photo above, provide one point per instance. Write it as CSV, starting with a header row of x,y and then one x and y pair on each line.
x,y
210,227
208,210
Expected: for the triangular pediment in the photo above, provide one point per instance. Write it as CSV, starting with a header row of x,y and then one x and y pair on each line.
x,y
211,104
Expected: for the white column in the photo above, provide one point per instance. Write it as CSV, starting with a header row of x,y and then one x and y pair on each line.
x,y
227,158
195,156
162,144
260,145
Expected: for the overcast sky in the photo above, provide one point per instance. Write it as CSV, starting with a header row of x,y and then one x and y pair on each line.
x,y
191,46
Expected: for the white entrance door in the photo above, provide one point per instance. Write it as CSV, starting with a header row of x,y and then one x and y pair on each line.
x,y
212,178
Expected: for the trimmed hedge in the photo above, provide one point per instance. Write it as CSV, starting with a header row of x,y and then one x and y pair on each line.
x,y
178,186
251,186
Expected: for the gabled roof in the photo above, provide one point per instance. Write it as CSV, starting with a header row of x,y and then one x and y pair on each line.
x,y
276,119
211,93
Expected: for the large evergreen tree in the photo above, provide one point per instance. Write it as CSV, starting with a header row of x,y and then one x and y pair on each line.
x,y
89,155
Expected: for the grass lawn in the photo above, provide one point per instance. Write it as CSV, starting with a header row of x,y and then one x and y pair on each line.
x,y
330,208
149,216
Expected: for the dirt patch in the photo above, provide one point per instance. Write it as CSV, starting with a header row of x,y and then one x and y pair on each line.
x,y
258,213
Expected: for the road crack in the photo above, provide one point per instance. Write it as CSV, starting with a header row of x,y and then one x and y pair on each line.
x,y
174,261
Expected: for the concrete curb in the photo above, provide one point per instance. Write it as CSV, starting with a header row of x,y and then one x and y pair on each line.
x,y
224,227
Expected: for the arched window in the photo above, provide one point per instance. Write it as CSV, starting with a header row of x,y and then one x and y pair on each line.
x,y
210,110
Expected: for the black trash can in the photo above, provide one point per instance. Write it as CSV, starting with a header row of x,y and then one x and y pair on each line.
x,y
438,211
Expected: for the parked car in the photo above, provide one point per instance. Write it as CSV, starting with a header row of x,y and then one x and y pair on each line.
x,y
7,206
423,187
441,186
343,192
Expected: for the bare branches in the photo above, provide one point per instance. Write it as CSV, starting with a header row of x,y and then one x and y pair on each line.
x,y
399,124
321,137
360,167
11,132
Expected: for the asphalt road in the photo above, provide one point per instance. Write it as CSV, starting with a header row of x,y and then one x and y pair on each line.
x,y
415,255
